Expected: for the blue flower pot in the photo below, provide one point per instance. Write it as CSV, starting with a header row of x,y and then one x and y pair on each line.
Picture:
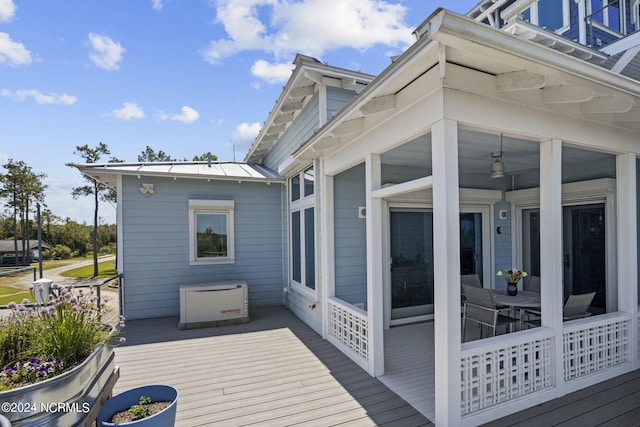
x,y
123,401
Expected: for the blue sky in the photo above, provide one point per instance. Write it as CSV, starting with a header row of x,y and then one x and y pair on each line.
x,y
183,76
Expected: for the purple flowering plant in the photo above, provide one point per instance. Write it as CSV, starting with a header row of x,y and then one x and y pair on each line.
x,y
45,340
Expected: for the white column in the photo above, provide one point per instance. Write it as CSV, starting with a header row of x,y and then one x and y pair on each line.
x,y
627,239
325,232
582,25
446,261
375,266
551,269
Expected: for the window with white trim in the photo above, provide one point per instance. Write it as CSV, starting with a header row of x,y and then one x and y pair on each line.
x,y
302,229
607,13
211,237
550,14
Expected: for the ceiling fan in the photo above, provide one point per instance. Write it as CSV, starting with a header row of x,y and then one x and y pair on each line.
x,y
498,169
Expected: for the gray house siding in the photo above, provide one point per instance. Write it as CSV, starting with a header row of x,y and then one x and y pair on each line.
x,y
350,236
305,124
502,243
156,242
336,98
298,132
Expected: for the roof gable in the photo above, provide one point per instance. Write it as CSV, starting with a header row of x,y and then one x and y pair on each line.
x,y
308,76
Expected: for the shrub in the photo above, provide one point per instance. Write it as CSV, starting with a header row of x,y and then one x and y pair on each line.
x,y
58,252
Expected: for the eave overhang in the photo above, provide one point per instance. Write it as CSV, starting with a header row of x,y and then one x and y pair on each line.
x,y
520,66
308,75
107,173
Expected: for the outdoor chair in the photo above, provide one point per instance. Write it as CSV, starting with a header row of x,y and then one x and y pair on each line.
x,y
469,280
534,284
575,308
480,308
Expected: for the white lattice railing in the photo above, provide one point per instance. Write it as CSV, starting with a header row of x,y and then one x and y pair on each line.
x,y
505,369
348,329
594,344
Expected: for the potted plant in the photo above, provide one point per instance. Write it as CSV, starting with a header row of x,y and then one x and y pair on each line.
x,y
512,276
58,352
135,407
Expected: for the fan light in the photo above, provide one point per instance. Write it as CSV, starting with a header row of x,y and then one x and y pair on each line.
x,y
497,169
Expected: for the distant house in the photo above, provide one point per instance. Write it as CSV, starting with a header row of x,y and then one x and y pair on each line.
x,y
505,138
7,252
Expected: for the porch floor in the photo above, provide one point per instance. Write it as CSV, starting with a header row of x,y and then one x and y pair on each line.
x,y
273,371
276,371
409,368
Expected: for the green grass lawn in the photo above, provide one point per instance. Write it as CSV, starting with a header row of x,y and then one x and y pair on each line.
x,y
106,269
16,297
4,300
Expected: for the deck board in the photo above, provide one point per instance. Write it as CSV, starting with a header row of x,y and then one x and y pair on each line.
x,y
615,402
273,371
276,371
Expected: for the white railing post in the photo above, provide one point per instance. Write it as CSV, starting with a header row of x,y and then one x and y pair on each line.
x,y
627,269
375,263
551,269
446,261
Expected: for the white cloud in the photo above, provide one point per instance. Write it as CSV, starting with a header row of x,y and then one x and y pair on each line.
x,y
155,5
283,27
39,97
271,73
7,10
188,115
4,157
106,53
244,135
129,110
13,53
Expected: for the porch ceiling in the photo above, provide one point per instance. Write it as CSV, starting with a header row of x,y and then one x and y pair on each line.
x,y
521,158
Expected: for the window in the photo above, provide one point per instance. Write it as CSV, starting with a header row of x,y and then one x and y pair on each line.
x,y
550,14
607,13
211,232
302,229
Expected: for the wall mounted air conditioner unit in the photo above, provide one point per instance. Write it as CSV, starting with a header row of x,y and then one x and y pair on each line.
x,y
214,304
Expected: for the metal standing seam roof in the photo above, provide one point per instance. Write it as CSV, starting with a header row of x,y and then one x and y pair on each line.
x,y
193,170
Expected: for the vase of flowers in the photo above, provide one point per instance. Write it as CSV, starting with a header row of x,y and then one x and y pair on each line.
x,y
512,277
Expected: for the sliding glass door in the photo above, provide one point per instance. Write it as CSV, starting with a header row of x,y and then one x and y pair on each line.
x,y
584,250
411,253
411,240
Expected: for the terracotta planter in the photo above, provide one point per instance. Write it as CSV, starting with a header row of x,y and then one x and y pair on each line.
x,y
123,401
67,399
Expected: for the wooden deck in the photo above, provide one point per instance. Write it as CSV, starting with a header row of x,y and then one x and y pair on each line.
x,y
273,371
613,403
276,371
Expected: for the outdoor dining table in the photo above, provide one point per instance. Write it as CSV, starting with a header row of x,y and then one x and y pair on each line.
x,y
521,301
